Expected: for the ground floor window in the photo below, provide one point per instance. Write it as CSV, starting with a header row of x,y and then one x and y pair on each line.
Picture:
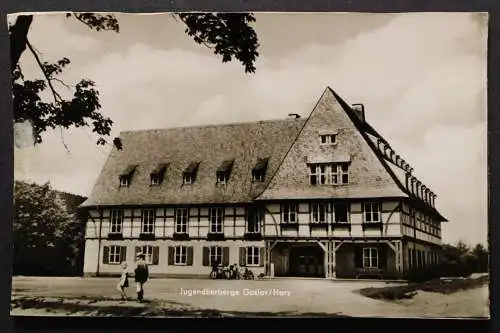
x,y
180,256
151,253
370,257
215,255
148,253
253,256
115,255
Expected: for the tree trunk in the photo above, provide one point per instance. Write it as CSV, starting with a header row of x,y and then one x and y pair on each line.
x,y
19,38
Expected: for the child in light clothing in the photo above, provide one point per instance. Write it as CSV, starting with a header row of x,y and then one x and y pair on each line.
x,y
123,284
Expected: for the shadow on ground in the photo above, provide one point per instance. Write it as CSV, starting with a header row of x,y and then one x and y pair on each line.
x,y
150,308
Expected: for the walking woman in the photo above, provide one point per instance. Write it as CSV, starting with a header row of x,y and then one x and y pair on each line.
x,y
141,275
123,284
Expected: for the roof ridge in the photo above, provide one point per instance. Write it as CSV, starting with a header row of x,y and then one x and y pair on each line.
x,y
236,123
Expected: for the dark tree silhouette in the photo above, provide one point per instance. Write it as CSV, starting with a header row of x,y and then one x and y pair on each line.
x,y
229,35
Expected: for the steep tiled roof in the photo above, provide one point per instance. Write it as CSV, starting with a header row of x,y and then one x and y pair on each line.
x,y
242,148
399,169
213,147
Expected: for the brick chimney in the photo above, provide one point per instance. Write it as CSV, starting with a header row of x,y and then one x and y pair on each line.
x,y
359,110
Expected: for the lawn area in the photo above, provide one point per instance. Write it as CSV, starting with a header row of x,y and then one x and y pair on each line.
x,y
408,291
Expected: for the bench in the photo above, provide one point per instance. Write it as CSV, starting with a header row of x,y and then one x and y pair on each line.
x,y
367,272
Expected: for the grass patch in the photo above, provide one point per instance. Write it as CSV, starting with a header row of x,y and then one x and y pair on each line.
x,y
434,286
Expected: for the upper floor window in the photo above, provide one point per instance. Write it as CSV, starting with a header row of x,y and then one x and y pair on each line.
x,y
289,212
372,212
148,221
116,221
259,170
319,212
181,220
254,219
329,173
328,139
216,217
189,174
341,212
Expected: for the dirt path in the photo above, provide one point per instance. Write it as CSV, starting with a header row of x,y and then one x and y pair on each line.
x,y
97,297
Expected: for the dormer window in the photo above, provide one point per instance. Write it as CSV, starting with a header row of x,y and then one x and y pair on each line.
x,y
221,178
328,139
157,175
124,181
155,179
223,171
259,170
126,176
189,175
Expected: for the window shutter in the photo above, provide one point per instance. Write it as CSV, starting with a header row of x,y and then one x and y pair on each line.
x,y
189,256
171,253
358,257
123,253
137,250
105,255
206,256
225,256
156,255
382,257
262,256
243,256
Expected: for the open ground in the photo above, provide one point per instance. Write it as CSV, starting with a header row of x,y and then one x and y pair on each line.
x,y
285,297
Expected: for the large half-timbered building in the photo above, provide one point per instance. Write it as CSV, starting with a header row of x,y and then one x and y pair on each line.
x,y
321,196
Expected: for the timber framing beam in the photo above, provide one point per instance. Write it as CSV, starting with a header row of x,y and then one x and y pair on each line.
x,y
322,246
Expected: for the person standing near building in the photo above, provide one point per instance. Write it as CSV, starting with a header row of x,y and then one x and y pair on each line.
x,y
123,284
141,275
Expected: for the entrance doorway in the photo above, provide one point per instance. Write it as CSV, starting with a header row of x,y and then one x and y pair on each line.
x,y
306,261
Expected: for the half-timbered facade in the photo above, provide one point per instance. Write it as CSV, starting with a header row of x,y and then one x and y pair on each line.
x,y
322,196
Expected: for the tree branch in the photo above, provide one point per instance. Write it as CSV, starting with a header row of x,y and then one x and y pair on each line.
x,y
57,97
63,142
18,38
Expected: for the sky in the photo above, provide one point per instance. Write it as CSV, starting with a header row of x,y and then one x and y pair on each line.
x,y
421,77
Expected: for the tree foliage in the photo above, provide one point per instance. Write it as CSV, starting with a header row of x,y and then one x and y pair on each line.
x,y
229,35
48,238
455,261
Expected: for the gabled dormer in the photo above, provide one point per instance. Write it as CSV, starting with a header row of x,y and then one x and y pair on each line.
x,y
260,169
189,174
126,176
224,171
158,174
